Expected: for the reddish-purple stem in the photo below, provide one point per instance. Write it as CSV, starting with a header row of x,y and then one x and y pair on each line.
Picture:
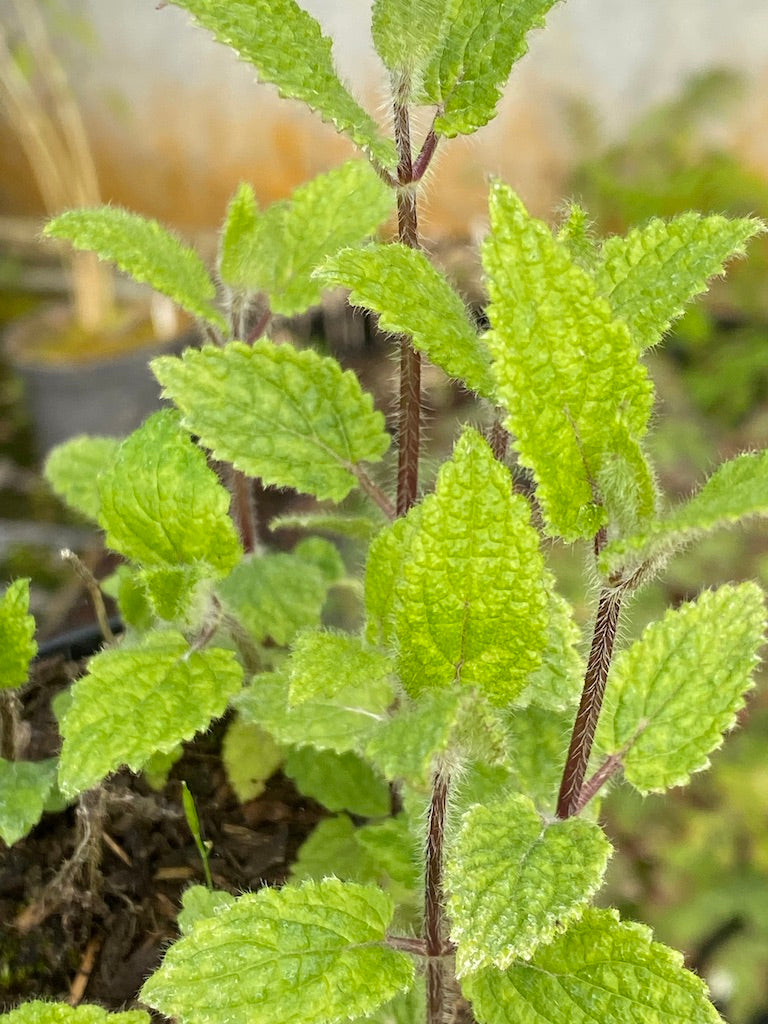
x,y
244,510
603,637
434,918
593,785
409,415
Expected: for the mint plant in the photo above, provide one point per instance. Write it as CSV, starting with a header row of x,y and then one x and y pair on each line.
x,y
445,719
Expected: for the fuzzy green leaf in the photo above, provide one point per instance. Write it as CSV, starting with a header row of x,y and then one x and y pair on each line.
x,y
568,373
17,635
406,34
406,747
293,418
556,684
72,469
600,969
40,1012
199,902
313,953
471,603
674,692
412,297
145,250
332,849
325,665
275,596
287,47
24,789
343,723
576,235
250,756
737,490
274,252
482,40
515,880
163,506
650,276
136,701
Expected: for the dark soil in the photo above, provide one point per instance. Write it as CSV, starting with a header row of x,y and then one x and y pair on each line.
x,y
88,900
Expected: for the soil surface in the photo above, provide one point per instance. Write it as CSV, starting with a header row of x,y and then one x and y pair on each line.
x,y
88,900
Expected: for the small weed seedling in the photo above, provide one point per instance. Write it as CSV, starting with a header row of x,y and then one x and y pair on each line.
x,y
446,720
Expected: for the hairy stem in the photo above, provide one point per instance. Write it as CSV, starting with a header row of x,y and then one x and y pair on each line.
x,y
374,492
603,637
434,917
9,724
244,510
593,785
409,415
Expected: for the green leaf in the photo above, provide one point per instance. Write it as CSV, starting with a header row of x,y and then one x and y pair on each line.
x,y
163,506
600,969
72,469
407,745
333,849
384,567
250,756
145,250
650,276
482,40
40,1012
293,418
674,692
286,46
313,953
537,745
17,635
514,880
567,372
736,490
576,235
345,525
275,253
198,902
275,596
136,701
556,684
341,782
406,34
24,790
412,297
325,665
342,723
323,555
471,603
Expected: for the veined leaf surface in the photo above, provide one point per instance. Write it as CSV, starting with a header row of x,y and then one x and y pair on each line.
x,y
293,418
672,694
287,47
514,881
313,953
412,297
145,250
72,469
162,505
650,275
600,969
568,373
274,252
136,701
406,34
17,635
471,600
482,40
